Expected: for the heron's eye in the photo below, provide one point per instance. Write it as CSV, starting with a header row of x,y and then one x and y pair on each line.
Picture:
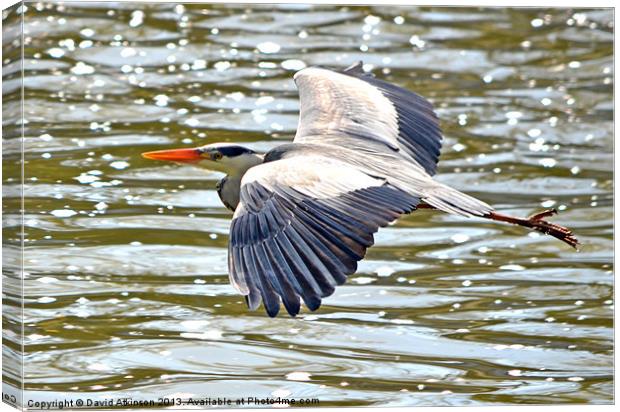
x,y
216,155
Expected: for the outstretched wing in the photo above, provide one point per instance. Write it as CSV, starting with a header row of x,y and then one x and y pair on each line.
x,y
302,226
355,110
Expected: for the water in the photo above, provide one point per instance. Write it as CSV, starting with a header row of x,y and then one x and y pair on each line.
x,y
126,291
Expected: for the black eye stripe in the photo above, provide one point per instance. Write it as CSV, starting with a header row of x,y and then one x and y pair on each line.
x,y
232,151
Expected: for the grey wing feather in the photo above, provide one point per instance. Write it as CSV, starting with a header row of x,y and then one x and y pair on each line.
x,y
356,68
287,245
381,128
351,108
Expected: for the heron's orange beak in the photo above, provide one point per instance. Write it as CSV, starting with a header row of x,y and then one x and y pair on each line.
x,y
192,155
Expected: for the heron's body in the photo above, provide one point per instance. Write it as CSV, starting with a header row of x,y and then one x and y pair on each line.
x,y
365,153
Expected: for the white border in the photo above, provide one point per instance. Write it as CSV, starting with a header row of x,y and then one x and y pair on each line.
x,y
464,3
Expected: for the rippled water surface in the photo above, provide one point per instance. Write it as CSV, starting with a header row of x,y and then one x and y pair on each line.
x,y
126,286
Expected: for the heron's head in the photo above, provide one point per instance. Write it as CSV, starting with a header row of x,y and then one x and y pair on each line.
x,y
229,158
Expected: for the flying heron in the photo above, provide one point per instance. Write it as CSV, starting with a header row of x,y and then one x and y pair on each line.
x,y
365,153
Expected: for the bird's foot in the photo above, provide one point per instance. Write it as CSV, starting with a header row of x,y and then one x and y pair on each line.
x,y
562,233
537,223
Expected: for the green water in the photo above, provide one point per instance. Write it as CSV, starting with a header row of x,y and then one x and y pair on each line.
x,y
126,286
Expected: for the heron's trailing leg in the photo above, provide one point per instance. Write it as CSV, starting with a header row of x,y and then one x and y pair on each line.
x,y
535,222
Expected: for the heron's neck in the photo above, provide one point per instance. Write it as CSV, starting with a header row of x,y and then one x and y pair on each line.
x,y
230,186
228,190
237,167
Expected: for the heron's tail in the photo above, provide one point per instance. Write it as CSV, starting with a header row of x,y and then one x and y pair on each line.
x,y
452,201
447,199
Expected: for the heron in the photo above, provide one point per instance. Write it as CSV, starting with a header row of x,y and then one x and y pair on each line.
x,y
304,213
